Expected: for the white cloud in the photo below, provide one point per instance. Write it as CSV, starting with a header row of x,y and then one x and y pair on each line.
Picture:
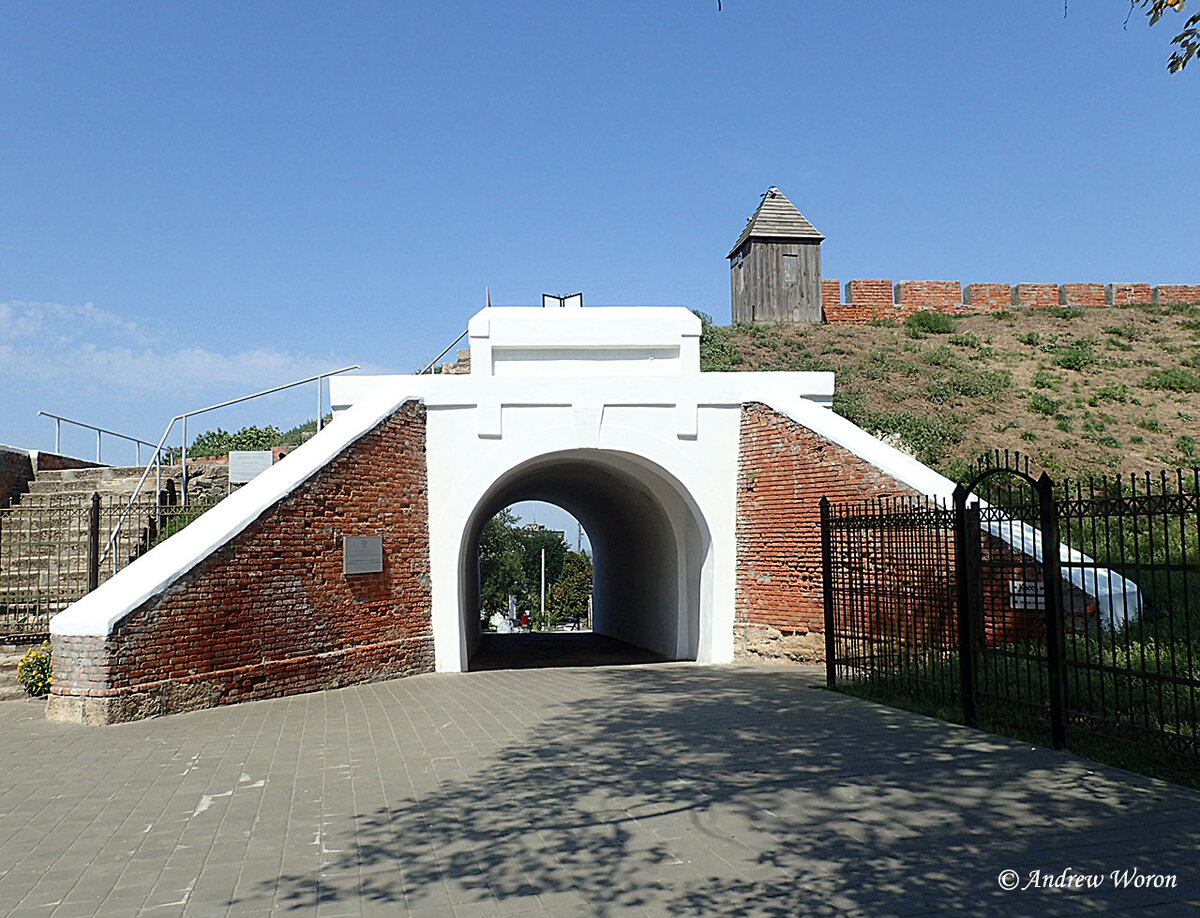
x,y
71,347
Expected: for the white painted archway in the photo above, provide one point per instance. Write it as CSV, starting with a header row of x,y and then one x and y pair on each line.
x,y
651,546
605,413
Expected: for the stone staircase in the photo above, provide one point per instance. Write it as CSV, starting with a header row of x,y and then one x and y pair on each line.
x,y
46,536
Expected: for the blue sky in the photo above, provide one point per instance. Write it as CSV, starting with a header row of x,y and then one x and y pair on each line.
x,y
197,201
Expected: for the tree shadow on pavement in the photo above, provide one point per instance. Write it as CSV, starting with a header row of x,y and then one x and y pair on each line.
x,y
688,790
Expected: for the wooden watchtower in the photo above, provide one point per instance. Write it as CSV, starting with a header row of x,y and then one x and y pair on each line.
x,y
775,266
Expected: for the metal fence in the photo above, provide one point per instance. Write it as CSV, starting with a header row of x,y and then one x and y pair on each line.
x,y
50,551
1070,612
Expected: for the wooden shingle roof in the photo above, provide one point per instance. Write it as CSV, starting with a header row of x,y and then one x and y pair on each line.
x,y
776,218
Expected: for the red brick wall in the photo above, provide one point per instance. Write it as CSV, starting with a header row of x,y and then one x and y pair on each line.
x,y
16,471
873,299
1033,296
1127,294
271,612
831,298
784,471
871,293
936,296
988,297
1177,293
53,462
1081,295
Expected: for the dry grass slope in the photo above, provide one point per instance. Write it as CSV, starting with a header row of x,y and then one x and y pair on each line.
x,y
1081,391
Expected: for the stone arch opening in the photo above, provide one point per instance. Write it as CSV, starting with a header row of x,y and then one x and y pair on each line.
x,y
650,546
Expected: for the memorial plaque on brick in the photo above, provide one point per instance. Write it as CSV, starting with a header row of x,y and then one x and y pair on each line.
x,y
362,554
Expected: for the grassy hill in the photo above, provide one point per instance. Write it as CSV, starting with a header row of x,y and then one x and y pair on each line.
x,y
1081,391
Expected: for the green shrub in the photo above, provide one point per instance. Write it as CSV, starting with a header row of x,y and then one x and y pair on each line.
x,y
1078,355
965,340
968,383
940,357
1043,404
1113,392
1187,446
1033,339
1176,379
717,351
927,437
33,671
1044,379
929,323
1065,312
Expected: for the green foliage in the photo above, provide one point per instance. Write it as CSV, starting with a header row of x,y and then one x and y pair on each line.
x,y
567,599
1064,312
1187,445
1175,379
510,565
965,340
533,542
1113,392
1044,379
221,442
968,383
1043,404
920,324
1127,332
1078,355
928,438
717,351
1187,39
1031,338
940,356
501,565
177,518
34,671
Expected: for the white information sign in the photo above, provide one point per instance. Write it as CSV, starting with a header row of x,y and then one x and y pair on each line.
x,y
1029,595
245,465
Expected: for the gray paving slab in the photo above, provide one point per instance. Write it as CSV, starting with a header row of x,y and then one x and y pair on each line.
x,y
652,790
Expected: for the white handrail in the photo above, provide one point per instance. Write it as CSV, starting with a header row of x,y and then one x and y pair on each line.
x,y
112,541
100,431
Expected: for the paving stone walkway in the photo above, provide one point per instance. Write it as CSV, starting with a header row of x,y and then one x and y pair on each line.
x,y
654,790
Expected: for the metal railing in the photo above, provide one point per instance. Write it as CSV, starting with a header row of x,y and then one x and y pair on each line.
x,y
428,368
100,432
50,551
182,419
1094,646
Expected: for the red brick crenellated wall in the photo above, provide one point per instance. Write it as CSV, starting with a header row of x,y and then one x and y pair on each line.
x,y
881,299
271,613
1177,293
933,296
1081,295
1128,294
988,297
831,298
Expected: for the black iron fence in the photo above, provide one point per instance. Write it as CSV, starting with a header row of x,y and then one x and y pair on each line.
x,y
51,551
1070,612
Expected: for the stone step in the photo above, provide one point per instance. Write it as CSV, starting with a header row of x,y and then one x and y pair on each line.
x,y
102,487
102,473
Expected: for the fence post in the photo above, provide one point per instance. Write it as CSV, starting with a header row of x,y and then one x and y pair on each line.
x,y
94,543
966,637
827,594
1052,589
